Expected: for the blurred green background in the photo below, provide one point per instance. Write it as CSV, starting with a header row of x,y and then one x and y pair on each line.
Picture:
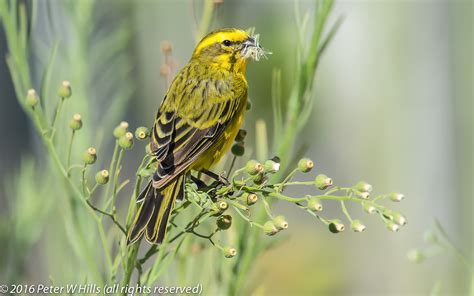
x,y
394,108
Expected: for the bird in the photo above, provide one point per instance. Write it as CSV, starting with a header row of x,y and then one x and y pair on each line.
x,y
196,124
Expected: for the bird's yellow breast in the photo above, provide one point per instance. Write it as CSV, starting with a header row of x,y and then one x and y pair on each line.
x,y
224,142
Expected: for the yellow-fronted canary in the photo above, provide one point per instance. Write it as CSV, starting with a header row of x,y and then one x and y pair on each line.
x,y
196,123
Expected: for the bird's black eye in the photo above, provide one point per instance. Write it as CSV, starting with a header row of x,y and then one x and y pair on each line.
x,y
226,42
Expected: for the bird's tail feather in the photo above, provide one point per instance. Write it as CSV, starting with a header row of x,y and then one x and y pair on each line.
x,y
152,217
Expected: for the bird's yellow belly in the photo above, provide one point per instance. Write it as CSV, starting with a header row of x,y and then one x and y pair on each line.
x,y
222,145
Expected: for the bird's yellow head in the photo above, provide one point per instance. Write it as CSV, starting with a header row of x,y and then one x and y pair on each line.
x,y
229,49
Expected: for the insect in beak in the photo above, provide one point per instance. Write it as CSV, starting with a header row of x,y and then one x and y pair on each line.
x,y
251,49
251,41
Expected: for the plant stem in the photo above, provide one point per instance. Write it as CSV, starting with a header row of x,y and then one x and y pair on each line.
x,y
111,172
68,161
117,173
56,116
205,19
345,211
449,245
286,179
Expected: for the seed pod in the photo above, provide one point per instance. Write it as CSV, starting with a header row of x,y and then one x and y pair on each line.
x,y
399,218
430,237
253,167
314,204
126,141
76,122
142,133
224,222
222,205
166,47
369,209
248,106
269,228
387,213
165,70
363,194
396,196
322,181
305,165
90,156
336,226
102,177
238,149
391,226
260,179
357,226
121,129
271,166
64,90
363,187
241,135
229,252
280,222
252,198
32,98
415,256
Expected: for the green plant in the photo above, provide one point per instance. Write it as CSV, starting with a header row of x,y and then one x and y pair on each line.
x,y
230,218
437,241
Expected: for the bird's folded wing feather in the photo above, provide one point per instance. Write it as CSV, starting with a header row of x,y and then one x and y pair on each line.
x,y
190,120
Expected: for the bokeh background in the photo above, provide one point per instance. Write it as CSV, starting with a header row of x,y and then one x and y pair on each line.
x,y
393,107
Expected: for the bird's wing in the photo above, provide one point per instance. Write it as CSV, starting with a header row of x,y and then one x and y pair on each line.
x,y
191,118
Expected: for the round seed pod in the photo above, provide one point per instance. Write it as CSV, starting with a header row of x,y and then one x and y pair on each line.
x,y
32,98
126,141
323,182
166,47
254,167
241,135
391,226
271,166
64,90
102,177
165,70
222,205
142,133
238,149
269,228
248,106
120,129
315,204
260,179
229,252
430,237
252,198
224,222
415,256
280,222
363,187
397,197
336,226
90,156
368,208
357,226
76,122
305,165
399,219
